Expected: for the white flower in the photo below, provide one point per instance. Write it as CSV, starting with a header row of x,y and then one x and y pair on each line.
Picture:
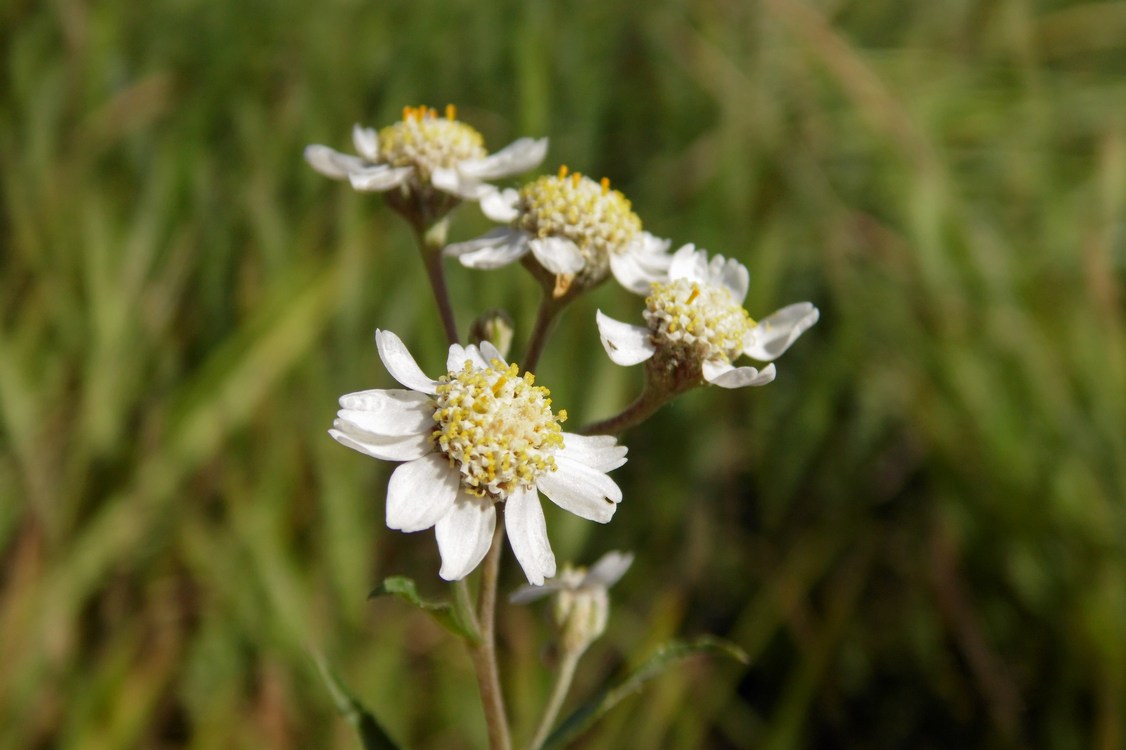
x,y
698,327
582,603
479,435
426,150
573,226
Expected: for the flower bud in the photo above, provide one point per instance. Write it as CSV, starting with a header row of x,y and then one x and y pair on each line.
x,y
496,327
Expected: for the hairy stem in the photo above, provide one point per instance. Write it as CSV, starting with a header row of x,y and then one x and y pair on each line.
x,y
550,307
644,407
559,692
430,244
485,653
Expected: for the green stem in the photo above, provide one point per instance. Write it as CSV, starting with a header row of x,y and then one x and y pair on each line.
x,y
644,407
550,307
559,691
485,653
430,243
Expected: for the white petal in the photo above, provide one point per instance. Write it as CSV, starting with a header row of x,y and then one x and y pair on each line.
x,y
367,142
527,533
689,263
464,535
586,492
388,412
599,452
726,375
378,399
609,569
452,182
379,178
459,355
490,353
644,261
401,364
383,447
333,163
444,179
497,248
557,254
774,334
528,593
633,273
421,492
518,156
500,205
731,274
624,343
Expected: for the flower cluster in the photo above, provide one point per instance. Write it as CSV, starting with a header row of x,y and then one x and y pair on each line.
x,y
483,434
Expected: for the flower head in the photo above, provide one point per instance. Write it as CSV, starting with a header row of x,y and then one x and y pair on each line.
x,y
434,161
696,327
574,227
582,603
480,435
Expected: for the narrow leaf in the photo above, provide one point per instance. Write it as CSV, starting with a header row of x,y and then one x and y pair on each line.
x,y
666,656
444,613
372,735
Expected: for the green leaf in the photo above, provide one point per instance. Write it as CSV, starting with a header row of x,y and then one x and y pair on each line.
x,y
666,656
372,735
444,613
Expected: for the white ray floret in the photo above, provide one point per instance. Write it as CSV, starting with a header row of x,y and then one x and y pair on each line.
x,y
480,435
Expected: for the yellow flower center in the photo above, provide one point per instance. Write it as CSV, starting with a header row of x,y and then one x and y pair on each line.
x,y
702,321
425,141
597,219
496,428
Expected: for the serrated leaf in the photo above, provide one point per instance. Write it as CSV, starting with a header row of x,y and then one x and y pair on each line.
x,y
372,735
444,613
666,656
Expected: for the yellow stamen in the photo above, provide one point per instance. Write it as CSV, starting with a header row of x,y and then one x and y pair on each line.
x,y
695,293
451,112
563,171
605,185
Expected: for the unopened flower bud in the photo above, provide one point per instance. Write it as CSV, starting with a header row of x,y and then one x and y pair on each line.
x,y
581,605
496,327
581,616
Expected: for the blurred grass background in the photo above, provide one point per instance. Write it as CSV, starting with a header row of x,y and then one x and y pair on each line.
x,y
918,531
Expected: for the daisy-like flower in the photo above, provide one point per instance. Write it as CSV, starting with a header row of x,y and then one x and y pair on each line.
x,y
480,435
582,603
696,327
427,157
574,227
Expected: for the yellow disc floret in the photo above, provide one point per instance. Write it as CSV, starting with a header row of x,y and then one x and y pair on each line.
x,y
700,320
496,428
425,141
597,219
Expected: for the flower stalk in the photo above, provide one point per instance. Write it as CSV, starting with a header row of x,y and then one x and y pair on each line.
x,y
485,652
563,679
430,244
